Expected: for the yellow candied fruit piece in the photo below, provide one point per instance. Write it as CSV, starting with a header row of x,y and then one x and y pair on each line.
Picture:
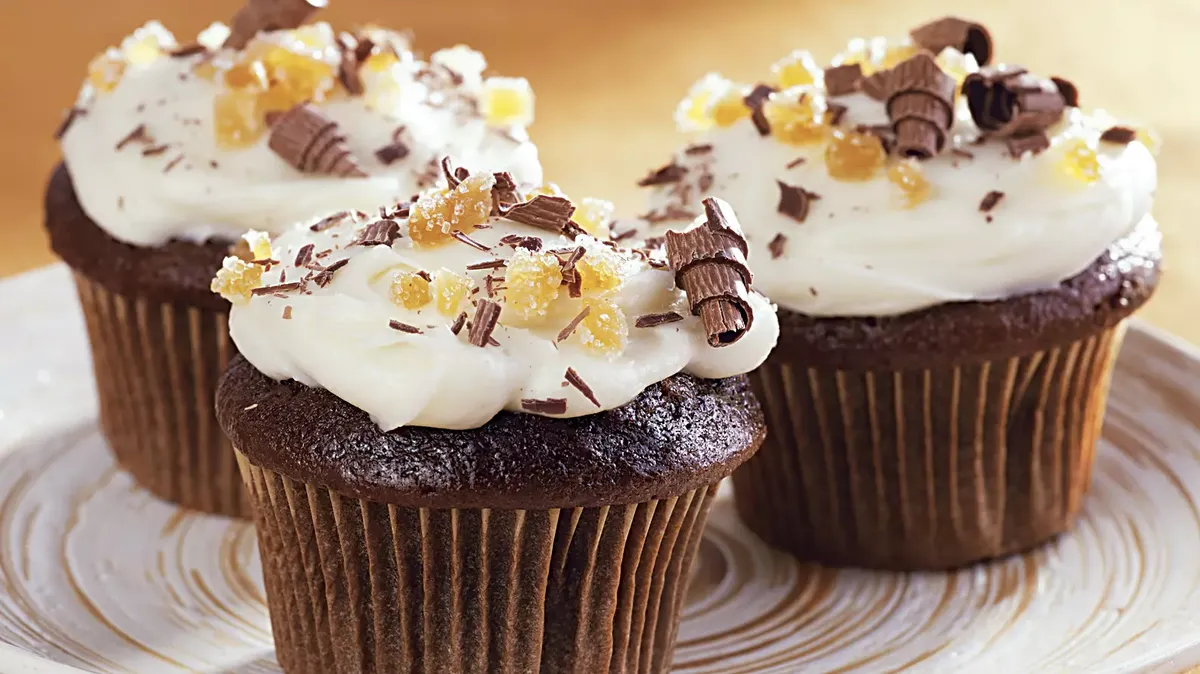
x,y
236,121
908,176
1079,161
693,112
452,291
854,157
315,36
304,77
250,75
600,271
546,189
436,215
236,279
206,70
1150,139
532,282
105,71
729,109
795,122
604,330
147,44
259,243
894,55
796,69
956,65
410,290
593,215
380,62
507,101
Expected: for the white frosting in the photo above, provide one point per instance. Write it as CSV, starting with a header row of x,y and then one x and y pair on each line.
x,y
863,251
213,191
338,337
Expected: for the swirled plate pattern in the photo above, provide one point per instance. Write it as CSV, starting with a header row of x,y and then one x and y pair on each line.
x,y
98,576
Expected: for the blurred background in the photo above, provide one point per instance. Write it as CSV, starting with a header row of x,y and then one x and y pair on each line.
x,y
608,76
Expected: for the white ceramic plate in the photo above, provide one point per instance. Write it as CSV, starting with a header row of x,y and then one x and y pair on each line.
x,y
96,575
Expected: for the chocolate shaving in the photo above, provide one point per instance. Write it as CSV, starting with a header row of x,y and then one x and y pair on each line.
x,y
843,80
378,233
463,238
268,15
794,201
1032,142
155,150
570,327
710,266
487,313
404,327
329,221
671,173
324,276
573,231
990,200
454,176
755,100
188,50
504,192
309,141
959,152
544,212
348,69
529,243
836,112
172,164
544,406
1003,108
876,85
425,275
777,245
699,149
965,36
1069,91
304,255
655,320
1121,135
575,380
392,153
920,106
72,115
459,321
138,135
277,288
796,162
489,264
287,313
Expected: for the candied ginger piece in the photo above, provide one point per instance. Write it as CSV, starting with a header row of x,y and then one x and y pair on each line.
x,y
692,113
507,101
795,120
436,215
259,243
605,329
1079,160
451,290
729,109
532,282
600,271
594,216
854,157
548,189
236,280
236,122
410,290
105,71
147,44
798,68
908,176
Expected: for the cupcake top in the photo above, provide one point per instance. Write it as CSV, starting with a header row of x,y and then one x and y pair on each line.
x,y
909,173
246,129
477,298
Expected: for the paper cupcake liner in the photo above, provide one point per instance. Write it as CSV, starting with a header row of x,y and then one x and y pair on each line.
x,y
157,367
359,587
926,469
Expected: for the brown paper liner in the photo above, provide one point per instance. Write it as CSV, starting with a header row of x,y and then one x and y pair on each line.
x,y
926,469
358,587
157,367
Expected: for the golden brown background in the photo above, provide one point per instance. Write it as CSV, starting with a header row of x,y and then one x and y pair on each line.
x,y
608,75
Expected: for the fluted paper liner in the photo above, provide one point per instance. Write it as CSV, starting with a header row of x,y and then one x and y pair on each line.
x,y
157,367
926,469
361,587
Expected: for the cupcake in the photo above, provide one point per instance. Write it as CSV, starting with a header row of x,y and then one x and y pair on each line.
x,y
173,151
477,438
955,248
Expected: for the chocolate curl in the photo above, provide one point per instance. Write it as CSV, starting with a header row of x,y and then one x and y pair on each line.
x,y
710,266
266,15
309,141
920,106
967,37
1004,108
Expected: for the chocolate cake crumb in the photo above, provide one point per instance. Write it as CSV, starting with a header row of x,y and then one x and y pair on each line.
x,y
572,377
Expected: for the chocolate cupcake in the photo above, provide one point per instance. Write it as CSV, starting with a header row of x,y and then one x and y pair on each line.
x,y
955,250
173,151
479,439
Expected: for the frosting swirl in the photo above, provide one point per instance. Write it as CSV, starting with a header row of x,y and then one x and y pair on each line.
x,y
394,314
837,227
172,143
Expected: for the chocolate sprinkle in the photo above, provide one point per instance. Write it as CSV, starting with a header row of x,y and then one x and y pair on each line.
x,y
324,276
329,221
1121,135
72,115
138,135
990,200
710,265
404,327
575,380
463,238
967,37
544,406
570,327
796,162
1032,142
655,320
794,201
487,313
309,141
544,212
378,233
695,150
755,100
457,326
777,245
155,150
304,255
671,173
269,15
843,80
